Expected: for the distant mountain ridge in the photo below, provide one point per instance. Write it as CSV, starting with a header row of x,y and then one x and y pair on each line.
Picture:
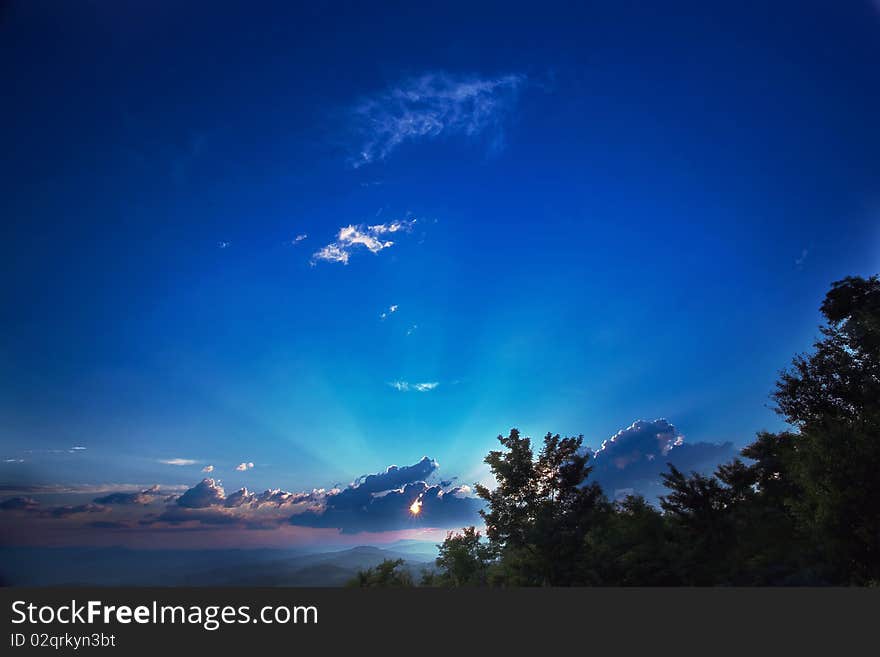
x,y
258,567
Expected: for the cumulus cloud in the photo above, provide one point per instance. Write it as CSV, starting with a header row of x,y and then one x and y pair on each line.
x,y
243,467
633,458
208,468
177,461
238,498
406,386
207,504
432,106
204,494
351,237
383,501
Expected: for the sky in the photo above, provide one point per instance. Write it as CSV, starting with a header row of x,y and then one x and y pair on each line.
x,y
284,247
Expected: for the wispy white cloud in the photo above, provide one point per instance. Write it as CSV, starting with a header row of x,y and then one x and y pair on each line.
x,y
370,237
430,106
208,468
177,461
412,329
332,253
799,262
241,467
406,386
299,238
223,245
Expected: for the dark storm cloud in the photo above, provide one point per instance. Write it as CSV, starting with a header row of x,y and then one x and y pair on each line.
x,y
633,459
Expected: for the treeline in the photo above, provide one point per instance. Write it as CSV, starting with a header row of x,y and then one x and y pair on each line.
x,y
801,508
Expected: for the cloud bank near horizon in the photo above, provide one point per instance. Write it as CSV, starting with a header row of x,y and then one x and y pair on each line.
x,y
631,461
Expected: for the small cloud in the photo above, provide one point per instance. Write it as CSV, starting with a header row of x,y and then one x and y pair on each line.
x,y
242,467
299,238
412,329
13,460
391,310
406,386
799,262
350,237
77,448
223,245
208,468
178,461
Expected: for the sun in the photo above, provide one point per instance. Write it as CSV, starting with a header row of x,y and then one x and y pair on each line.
x,y
416,507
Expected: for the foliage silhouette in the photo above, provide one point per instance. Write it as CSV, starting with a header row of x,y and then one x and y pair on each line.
x,y
391,573
801,508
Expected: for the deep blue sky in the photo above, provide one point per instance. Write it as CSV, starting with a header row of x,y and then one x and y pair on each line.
x,y
642,225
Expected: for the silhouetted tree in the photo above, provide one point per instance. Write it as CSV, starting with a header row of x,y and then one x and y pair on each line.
x,y
464,560
391,573
630,546
540,511
833,397
697,513
803,508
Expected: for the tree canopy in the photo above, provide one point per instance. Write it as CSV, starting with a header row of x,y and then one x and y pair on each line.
x,y
800,507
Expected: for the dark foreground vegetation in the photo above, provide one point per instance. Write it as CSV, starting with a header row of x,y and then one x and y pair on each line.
x,y
801,508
